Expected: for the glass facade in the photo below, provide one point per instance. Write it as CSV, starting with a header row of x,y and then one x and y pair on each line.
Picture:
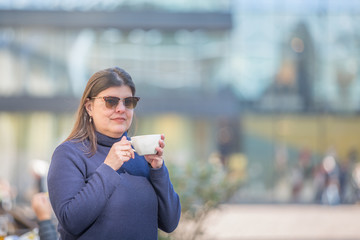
x,y
300,48
52,65
274,64
105,5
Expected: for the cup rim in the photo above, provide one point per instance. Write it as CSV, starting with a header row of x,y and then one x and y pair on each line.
x,y
145,135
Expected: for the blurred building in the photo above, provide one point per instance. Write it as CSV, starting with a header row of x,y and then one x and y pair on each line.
x,y
257,66
49,50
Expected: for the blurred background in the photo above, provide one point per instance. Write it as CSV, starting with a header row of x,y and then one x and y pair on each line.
x,y
259,100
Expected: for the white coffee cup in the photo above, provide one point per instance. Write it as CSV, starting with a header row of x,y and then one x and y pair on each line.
x,y
145,144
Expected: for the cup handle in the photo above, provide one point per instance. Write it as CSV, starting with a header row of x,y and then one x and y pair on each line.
x,y
131,144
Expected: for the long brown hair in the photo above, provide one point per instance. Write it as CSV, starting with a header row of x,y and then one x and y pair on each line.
x,y
84,128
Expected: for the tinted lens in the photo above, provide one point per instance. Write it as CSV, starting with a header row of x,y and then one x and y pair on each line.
x,y
130,102
111,102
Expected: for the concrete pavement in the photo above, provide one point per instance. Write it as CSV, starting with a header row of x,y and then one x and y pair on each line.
x,y
283,222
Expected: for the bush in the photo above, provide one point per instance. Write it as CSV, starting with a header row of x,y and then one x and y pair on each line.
x,y
202,187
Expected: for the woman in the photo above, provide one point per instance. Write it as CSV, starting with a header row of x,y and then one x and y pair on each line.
x,y
99,187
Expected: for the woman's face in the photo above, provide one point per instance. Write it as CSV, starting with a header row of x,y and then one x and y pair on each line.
x,y
112,122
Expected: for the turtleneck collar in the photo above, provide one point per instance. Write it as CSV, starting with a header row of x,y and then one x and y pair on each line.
x,y
106,140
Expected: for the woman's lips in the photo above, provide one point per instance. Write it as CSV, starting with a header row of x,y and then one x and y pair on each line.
x,y
119,119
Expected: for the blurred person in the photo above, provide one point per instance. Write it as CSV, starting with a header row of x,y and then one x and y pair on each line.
x,y
228,139
354,181
7,196
319,182
331,193
300,174
39,169
345,169
355,175
99,187
297,182
41,205
224,141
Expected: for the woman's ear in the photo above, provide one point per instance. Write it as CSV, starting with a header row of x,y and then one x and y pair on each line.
x,y
88,106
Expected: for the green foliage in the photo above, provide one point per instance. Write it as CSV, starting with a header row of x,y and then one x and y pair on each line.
x,y
202,186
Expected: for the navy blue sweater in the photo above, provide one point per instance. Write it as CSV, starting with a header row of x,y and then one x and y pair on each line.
x,y
92,201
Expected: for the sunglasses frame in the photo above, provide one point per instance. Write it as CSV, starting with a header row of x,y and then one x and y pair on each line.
x,y
117,99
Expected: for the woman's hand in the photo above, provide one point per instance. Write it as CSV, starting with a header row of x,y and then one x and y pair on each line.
x,y
155,160
119,153
41,205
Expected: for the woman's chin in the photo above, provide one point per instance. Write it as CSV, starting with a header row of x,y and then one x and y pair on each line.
x,y
118,132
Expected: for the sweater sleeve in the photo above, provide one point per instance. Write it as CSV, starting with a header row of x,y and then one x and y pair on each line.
x,y
47,230
78,200
169,202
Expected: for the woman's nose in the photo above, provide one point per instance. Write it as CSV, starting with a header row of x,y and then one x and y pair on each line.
x,y
121,106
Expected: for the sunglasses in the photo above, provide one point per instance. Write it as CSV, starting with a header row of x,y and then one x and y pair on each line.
x,y
112,102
